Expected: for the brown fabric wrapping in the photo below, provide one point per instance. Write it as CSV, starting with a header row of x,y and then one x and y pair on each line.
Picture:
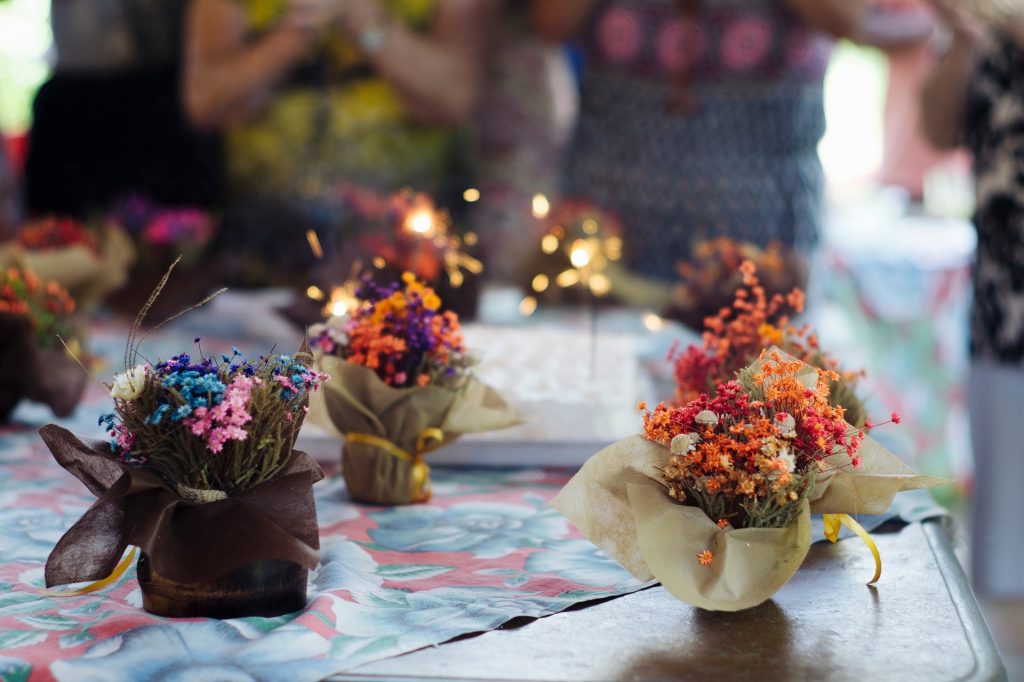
x,y
186,543
357,401
88,276
28,371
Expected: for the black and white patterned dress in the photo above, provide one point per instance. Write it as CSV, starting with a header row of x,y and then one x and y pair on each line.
x,y
995,133
741,163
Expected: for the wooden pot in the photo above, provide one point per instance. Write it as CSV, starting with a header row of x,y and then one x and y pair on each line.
x,y
263,588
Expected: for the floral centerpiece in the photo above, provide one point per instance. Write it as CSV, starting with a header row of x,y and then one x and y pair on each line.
x,y
200,473
160,236
736,336
714,499
34,317
90,259
710,278
403,386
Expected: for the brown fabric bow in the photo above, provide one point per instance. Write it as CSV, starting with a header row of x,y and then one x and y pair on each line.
x,y
186,543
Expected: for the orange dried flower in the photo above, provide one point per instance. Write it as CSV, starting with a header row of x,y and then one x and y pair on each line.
x,y
706,558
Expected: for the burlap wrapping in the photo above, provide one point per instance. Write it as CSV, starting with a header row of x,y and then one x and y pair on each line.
x,y
186,543
47,376
618,502
87,275
357,401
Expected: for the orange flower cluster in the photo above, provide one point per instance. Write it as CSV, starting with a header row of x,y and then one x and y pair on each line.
x,y
399,332
52,232
45,304
746,457
736,336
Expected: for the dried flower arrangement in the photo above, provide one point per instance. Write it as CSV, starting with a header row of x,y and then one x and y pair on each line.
x,y
403,387
714,499
34,317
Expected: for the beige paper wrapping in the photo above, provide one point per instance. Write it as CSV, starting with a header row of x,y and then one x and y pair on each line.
x,y
355,400
749,564
868,488
619,503
87,276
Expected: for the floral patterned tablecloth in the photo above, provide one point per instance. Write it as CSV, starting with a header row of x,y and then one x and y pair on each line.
x,y
486,549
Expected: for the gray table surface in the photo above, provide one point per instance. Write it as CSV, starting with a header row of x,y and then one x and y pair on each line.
x,y
920,622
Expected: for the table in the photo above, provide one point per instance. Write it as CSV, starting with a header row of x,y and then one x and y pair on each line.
x,y
485,551
920,623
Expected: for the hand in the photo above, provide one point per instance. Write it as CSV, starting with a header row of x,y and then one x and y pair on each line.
x,y
313,16
358,15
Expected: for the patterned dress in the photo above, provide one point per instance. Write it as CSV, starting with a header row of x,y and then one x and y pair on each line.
x,y
737,158
995,134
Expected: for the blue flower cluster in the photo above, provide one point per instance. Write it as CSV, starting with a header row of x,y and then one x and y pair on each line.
x,y
301,378
197,385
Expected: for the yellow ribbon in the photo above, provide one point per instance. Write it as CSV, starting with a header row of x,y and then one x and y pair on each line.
x,y
99,584
428,439
832,523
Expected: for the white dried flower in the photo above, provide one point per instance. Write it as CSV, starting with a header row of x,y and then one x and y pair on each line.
x,y
786,455
706,417
128,385
684,442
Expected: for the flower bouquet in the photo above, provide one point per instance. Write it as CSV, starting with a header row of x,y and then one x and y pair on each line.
x,y
89,260
714,500
201,474
34,316
161,236
712,276
402,387
736,336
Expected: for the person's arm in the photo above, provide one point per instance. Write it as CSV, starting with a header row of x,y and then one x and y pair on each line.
x,y
438,75
841,18
560,20
225,78
944,96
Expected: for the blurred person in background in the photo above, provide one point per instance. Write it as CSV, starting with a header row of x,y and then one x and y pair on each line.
x,y
701,118
9,208
976,96
903,31
525,117
108,123
314,95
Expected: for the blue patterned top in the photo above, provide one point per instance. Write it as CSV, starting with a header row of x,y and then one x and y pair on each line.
x,y
702,124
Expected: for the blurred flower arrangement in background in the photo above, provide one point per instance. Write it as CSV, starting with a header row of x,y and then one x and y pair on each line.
x,y
35,315
738,334
711,276
89,258
162,235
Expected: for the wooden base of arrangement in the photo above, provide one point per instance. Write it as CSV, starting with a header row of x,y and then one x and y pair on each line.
x,y
263,588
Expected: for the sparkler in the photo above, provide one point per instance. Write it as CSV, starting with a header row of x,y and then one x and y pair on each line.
x,y
423,236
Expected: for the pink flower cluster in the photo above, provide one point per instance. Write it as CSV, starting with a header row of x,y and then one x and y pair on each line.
x,y
224,421
175,226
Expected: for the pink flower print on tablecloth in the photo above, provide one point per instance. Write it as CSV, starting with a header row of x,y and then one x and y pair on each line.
x,y
619,35
680,44
745,43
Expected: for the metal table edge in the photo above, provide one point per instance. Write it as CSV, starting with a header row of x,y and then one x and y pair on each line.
x,y
988,662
